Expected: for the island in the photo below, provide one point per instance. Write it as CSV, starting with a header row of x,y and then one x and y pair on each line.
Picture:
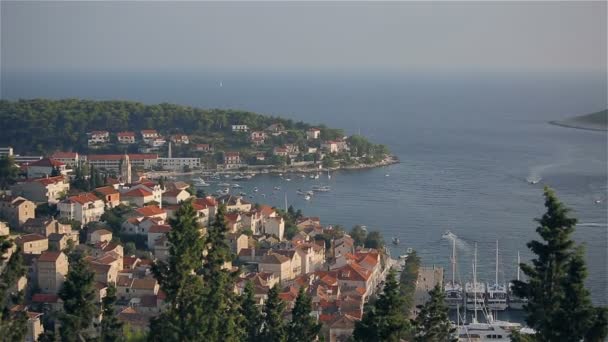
x,y
180,139
597,121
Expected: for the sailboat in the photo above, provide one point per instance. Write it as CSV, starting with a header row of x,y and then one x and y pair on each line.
x,y
497,293
474,291
328,175
453,290
516,302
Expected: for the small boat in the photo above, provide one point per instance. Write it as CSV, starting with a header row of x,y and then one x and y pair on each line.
x,y
387,175
307,197
226,176
200,183
598,201
395,241
255,189
280,175
302,176
328,175
242,194
223,184
288,179
277,188
310,193
236,186
324,188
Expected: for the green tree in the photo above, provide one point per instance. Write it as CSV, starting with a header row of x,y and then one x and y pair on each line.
x,y
223,320
374,240
13,326
78,296
274,328
303,327
251,312
8,171
359,235
432,322
111,327
385,320
182,320
559,307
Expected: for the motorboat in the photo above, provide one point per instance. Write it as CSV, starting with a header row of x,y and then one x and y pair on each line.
x,y
244,194
199,183
277,188
236,186
255,189
324,188
223,184
307,197
395,241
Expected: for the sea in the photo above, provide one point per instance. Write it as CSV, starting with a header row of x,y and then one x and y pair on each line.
x,y
469,143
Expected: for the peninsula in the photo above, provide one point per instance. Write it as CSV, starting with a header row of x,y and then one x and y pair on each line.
x,y
597,121
178,138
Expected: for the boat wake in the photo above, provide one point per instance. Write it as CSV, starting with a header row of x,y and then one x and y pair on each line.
x,y
592,224
460,244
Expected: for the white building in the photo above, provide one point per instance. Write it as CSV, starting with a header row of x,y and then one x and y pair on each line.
x,y
68,158
112,162
44,168
240,128
313,133
6,151
99,137
47,189
83,208
178,163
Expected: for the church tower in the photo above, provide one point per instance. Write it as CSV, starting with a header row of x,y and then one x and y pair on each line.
x,y
125,169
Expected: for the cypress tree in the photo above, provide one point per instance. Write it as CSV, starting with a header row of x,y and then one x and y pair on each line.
x,y
223,320
432,322
303,327
111,327
273,328
559,307
182,320
78,295
13,326
251,313
385,320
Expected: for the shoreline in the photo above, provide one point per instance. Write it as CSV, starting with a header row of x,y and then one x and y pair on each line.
x,y
389,160
575,126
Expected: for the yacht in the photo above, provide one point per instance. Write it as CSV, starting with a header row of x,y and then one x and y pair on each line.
x,y
498,331
223,184
200,183
454,297
497,293
236,186
474,292
255,189
516,302
307,197
324,188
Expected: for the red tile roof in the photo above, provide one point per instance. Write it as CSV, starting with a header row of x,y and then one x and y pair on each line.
x,y
139,192
29,238
48,180
160,228
47,162
45,298
64,155
120,156
107,190
150,210
48,256
125,134
83,198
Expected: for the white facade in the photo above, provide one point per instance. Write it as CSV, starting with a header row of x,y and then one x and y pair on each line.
x,y
240,128
178,163
81,208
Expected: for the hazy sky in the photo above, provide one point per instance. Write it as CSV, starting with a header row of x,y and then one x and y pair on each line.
x,y
300,35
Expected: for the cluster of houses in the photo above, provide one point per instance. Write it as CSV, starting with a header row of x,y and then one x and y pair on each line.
x,y
340,277
149,137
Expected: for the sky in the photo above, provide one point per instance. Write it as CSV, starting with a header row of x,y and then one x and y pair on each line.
x,y
168,35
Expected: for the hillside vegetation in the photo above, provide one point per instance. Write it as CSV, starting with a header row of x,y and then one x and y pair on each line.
x,y
593,121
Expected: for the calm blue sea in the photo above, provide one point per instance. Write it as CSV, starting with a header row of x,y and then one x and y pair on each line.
x,y
467,144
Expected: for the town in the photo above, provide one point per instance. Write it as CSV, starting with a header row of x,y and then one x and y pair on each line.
x,y
119,221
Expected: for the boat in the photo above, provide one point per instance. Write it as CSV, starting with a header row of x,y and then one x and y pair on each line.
x,y
302,176
324,188
310,193
598,201
454,297
474,292
516,302
239,177
242,194
236,186
328,175
223,184
199,183
288,179
255,189
277,188
496,293
395,241
497,331
387,175
307,197
408,251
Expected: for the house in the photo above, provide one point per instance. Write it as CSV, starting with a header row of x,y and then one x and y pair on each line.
x,y
100,235
34,326
276,129
280,151
330,146
232,160
312,256
154,188
32,243
179,139
133,320
138,197
240,128
152,211
353,275
45,167
157,142
179,164
16,209
175,196
277,264
109,195
68,158
149,134
343,246
260,156
233,222
204,148
98,137
46,226
313,133
341,328
274,225
52,268
126,137
161,248
83,208
46,189
237,241
257,137
4,229
157,231
234,203
294,259
47,300
58,242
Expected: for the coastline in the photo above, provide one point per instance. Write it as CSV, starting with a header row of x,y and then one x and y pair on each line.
x,y
577,126
389,160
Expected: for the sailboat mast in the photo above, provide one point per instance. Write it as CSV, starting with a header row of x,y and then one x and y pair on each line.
x,y
475,281
453,261
496,280
285,201
518,262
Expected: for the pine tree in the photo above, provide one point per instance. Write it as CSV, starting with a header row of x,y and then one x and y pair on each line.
x,y
251,313
223,320
273,328
182,320
303,327
559,307
13,326
78,295
111,327
385,320
432,322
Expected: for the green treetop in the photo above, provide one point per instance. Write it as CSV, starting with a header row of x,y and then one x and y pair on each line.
x,y
303,327
13,327
111,327
273,328
432,322
558,308
251,313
